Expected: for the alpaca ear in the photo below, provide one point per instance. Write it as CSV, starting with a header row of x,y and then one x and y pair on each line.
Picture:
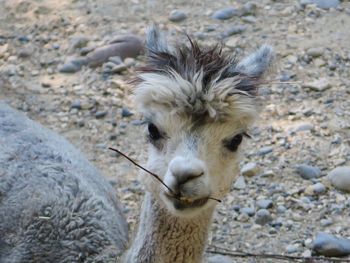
x,y
156,41
257,63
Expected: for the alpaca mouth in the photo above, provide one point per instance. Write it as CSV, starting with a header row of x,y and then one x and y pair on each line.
x,y
182,203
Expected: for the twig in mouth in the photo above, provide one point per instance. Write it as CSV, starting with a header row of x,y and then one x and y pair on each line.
x,y
153,174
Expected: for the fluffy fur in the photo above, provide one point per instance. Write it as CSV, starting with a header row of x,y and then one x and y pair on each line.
x,y
54,205
199,99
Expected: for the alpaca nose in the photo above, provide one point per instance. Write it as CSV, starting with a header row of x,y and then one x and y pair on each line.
x,y
184,172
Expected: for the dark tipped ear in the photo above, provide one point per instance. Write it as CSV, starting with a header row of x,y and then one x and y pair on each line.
x,y
156,41
257,63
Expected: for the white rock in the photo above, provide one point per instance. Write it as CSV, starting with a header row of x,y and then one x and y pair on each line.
x,y
250,169
240,183
340,178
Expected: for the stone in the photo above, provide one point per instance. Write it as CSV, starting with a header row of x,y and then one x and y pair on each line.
x,y
302,127
226,13
264,203
315,189
100,114
250,211
76,105
331,246
293,248
250,169
340,178
308,172
233,30
265,150
281,209
69,67
324,4
219,259
249,19
315,52
326,222
79,42
318,85
240,183
249,8
126,113
177,16
116,60
263,217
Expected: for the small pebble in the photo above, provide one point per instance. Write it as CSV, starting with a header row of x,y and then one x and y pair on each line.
x,y
248,210
240,183
263,217
226,13
126,113
100,114
250,169
308,172
264,203
177,16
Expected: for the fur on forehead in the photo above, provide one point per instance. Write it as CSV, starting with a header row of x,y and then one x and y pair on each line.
x,y
188,79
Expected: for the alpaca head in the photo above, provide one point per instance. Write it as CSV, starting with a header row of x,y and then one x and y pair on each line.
x,y
199,103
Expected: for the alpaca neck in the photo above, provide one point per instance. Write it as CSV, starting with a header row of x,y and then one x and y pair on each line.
x,y
164,238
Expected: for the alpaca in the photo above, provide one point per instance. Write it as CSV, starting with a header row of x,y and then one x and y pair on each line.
x,y
199,103
56,207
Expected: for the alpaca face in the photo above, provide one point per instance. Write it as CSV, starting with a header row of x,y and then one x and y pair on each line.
x,y
199,104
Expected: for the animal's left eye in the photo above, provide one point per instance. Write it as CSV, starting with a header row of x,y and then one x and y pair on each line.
x,y
233,144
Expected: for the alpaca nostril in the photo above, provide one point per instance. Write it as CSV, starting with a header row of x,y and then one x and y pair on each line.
x,y
188,177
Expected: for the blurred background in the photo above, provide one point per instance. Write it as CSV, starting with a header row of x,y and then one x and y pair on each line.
x,y
67,64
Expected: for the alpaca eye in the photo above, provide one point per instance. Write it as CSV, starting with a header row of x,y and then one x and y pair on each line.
x,y
233,144
153,132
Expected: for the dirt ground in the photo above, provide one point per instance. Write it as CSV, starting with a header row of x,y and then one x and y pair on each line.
x,y
300,122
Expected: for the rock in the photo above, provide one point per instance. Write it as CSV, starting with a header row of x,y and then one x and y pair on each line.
x,y
226,13
129,62
264,203
315,189
123,46
76,105
249,19
240,183
292,248
249,8
303,127
268,173
69,67
250,169
24,53
315,52
331,246
126,113
326,222
265,150
116,60
100,114
232,42
250,211
78,42
233,30
340,178
219,259
119,68
281,209
263,217
177,16
324,4
308,172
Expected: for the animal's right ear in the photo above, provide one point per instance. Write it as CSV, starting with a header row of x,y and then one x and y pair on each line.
x,y
156,41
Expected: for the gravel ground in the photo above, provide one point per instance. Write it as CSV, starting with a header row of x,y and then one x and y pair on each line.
x,y
279,204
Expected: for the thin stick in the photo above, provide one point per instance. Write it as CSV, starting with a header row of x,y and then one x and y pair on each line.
x,y
139,166
153,174
227,252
